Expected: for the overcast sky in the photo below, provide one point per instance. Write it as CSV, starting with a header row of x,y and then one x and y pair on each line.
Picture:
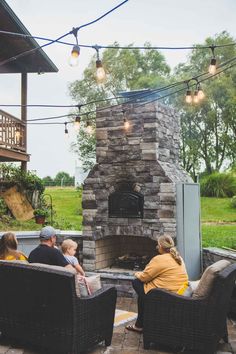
x,y
161,22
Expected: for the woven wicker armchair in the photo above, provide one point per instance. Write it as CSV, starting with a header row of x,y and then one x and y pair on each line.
x,y
39,307
185,322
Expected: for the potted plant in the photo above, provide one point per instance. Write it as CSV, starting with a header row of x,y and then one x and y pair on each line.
x,y
40,215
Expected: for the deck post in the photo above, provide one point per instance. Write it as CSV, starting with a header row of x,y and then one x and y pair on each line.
x,y
24,113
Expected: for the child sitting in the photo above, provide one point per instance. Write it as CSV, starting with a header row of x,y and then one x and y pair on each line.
x,y
68,248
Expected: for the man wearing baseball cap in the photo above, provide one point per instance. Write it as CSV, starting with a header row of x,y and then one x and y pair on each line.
x,y
46,252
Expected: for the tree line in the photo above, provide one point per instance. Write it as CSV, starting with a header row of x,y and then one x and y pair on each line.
x,y
61,179
208,129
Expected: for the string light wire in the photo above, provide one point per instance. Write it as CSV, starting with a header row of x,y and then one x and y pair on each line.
x,y
61,37
156,99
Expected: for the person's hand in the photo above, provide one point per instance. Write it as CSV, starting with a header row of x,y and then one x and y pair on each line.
x,y
137,274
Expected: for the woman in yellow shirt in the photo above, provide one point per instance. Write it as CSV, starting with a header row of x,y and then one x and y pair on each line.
x,y
8,248
166,270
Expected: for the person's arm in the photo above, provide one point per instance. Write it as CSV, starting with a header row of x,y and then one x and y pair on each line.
x,y
79,269
150,272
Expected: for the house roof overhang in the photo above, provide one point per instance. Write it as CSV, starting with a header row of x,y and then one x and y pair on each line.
x,y
35,62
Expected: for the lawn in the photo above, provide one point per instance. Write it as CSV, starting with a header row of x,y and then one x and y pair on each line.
x,y
217,210
67,206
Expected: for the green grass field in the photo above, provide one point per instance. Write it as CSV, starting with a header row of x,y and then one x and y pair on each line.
x,y
218,217
67,205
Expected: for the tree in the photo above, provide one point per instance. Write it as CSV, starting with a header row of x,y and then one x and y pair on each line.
x,y
48,181
126,70
63,179
208,129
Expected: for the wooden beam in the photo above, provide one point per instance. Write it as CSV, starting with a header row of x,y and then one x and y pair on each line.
x,y
11,155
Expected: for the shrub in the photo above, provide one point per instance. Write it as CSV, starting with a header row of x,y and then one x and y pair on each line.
x,y
233,202
24,180
218,185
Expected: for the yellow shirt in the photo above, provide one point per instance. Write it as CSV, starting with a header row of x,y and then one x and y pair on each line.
x,y
13,258
163,272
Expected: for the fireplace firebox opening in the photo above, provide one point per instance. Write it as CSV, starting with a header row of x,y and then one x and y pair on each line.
x,y
125,202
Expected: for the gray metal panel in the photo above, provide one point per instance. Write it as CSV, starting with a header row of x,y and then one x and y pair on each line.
x,y
188,227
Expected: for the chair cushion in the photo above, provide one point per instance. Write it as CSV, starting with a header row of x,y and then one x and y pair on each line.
x,y
207,279
94,283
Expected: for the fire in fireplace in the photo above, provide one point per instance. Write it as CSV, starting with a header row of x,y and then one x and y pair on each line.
x,y
131,261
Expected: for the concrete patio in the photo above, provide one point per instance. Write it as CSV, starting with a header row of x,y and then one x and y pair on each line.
x,y
128,342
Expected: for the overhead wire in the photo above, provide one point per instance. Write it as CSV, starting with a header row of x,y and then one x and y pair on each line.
x,y
158,98
130,47
61,37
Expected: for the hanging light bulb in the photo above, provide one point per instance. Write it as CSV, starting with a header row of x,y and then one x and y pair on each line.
x,y
77,122
66,131
212,66
126,124
100,72
201,94
195,97
17,136
188,96
74,57
89,128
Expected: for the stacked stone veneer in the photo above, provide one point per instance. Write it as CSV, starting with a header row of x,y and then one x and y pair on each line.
x,y
146,156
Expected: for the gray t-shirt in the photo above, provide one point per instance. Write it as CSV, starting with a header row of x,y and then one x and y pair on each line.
x,y
71,259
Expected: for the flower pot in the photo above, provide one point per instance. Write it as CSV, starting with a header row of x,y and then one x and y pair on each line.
x,y
39,219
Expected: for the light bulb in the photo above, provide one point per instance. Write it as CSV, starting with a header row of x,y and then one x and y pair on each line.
x,y
89,128
17,136
100,72
195,97
77,122
188,97
74,57
126,124
200,94
212,67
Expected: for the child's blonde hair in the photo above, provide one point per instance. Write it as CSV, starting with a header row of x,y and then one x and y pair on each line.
x,y
66,244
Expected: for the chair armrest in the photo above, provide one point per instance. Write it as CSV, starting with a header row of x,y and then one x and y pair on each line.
x,y
99,305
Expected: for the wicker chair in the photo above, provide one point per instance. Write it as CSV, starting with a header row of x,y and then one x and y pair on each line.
x,y
39,307
189,323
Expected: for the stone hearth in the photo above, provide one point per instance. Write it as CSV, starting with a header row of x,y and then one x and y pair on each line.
x,y
141,166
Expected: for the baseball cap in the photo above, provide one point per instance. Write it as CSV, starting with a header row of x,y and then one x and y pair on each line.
x,y
47,232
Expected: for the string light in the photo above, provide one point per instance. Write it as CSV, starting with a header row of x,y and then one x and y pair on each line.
x,y
126,122
212,67
17,136
188,96
66,130
100,72
201,94
89,128
195,97
77,122
74,57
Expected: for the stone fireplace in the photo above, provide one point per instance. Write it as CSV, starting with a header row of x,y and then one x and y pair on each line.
x,y
129,197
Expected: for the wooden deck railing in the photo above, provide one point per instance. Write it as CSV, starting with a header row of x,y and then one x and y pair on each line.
x,y
12,132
